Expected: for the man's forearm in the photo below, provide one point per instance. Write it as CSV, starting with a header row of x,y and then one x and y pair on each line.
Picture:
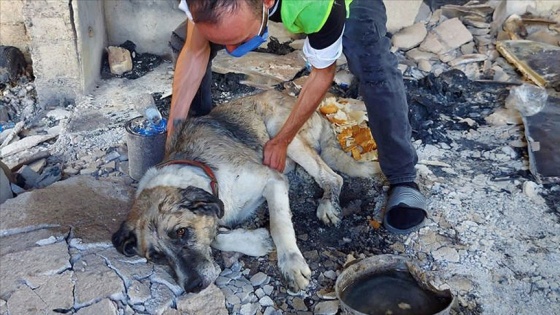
x,y
310,97
186,80
189,72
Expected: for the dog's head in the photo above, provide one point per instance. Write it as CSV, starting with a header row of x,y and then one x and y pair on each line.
x,y
177,226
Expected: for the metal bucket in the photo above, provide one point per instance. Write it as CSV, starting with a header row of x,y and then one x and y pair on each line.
x,y
389,284
144,151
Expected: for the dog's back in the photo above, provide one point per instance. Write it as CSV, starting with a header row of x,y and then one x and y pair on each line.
x,y
238,130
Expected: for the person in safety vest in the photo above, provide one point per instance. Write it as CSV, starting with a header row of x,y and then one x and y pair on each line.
x,y
353,27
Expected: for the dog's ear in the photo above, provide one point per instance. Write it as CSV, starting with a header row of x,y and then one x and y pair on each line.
x,y
202,202
124,240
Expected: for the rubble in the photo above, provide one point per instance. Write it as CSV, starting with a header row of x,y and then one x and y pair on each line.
x,y
491,236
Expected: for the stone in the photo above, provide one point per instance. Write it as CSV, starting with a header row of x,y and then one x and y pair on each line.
x,y
432,44
266,301
330,274
326,308
94,208
161,275
467,48
464,59
299,304
209,301
15,266
258,279
410,37
25,301
55,291
129,268
447,254
530,189
120,60
417,55
401,14
161,299
425,65
24,144
138,292
449,35
104,306
249,309
96,280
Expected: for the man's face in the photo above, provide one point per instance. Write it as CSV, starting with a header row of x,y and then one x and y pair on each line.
x,y
235,28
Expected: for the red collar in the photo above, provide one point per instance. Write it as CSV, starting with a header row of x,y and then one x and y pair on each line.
x,y
204,167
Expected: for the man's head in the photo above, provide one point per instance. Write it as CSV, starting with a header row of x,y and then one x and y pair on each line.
x,y
231,23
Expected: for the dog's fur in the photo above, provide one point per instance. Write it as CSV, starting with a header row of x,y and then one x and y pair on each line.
x,y
175,216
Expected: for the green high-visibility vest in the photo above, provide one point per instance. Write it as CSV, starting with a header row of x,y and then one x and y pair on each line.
x,y
307,16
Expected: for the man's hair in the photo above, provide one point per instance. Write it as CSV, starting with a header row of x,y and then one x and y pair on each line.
x,y
210,11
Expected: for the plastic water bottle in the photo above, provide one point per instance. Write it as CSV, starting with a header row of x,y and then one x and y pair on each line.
x,y
6,125
154,123
147,107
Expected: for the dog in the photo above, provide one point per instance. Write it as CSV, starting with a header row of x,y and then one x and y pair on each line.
x,y
213,176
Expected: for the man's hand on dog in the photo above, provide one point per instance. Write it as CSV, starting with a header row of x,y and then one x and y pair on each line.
x,y
275,152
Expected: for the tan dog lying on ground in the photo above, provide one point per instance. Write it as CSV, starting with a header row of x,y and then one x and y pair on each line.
x,y
177,210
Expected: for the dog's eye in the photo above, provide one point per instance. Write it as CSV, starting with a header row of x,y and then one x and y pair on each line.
x,y
181,232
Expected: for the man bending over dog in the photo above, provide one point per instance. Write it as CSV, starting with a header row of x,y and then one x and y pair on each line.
x,y
353,27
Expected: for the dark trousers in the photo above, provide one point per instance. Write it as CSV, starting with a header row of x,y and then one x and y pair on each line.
x,y
367,49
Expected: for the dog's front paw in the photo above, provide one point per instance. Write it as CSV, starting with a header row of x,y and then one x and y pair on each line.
x,y
295,271
329,212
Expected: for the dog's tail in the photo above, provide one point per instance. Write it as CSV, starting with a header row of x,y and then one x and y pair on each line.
x,y
337,159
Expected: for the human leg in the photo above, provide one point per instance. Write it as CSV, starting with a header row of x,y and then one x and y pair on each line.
x,y
367,49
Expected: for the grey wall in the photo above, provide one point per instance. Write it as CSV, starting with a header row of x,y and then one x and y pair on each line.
x,y
91,39
147,23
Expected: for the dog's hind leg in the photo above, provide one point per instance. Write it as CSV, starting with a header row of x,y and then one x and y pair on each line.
x,y
328,210
292,265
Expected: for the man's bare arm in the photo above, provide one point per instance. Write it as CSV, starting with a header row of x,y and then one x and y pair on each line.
x,y
189,71
310,97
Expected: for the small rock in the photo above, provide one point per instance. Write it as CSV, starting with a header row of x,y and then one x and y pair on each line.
x,y
449,35
448,254
417,55
258,279
46,241
299,304
268,289
425,65
330,274
105,306
326,308
249,309
530,189
410,37
266,301
120,60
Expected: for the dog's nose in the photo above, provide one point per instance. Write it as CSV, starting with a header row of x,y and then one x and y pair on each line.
x,y
193,285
